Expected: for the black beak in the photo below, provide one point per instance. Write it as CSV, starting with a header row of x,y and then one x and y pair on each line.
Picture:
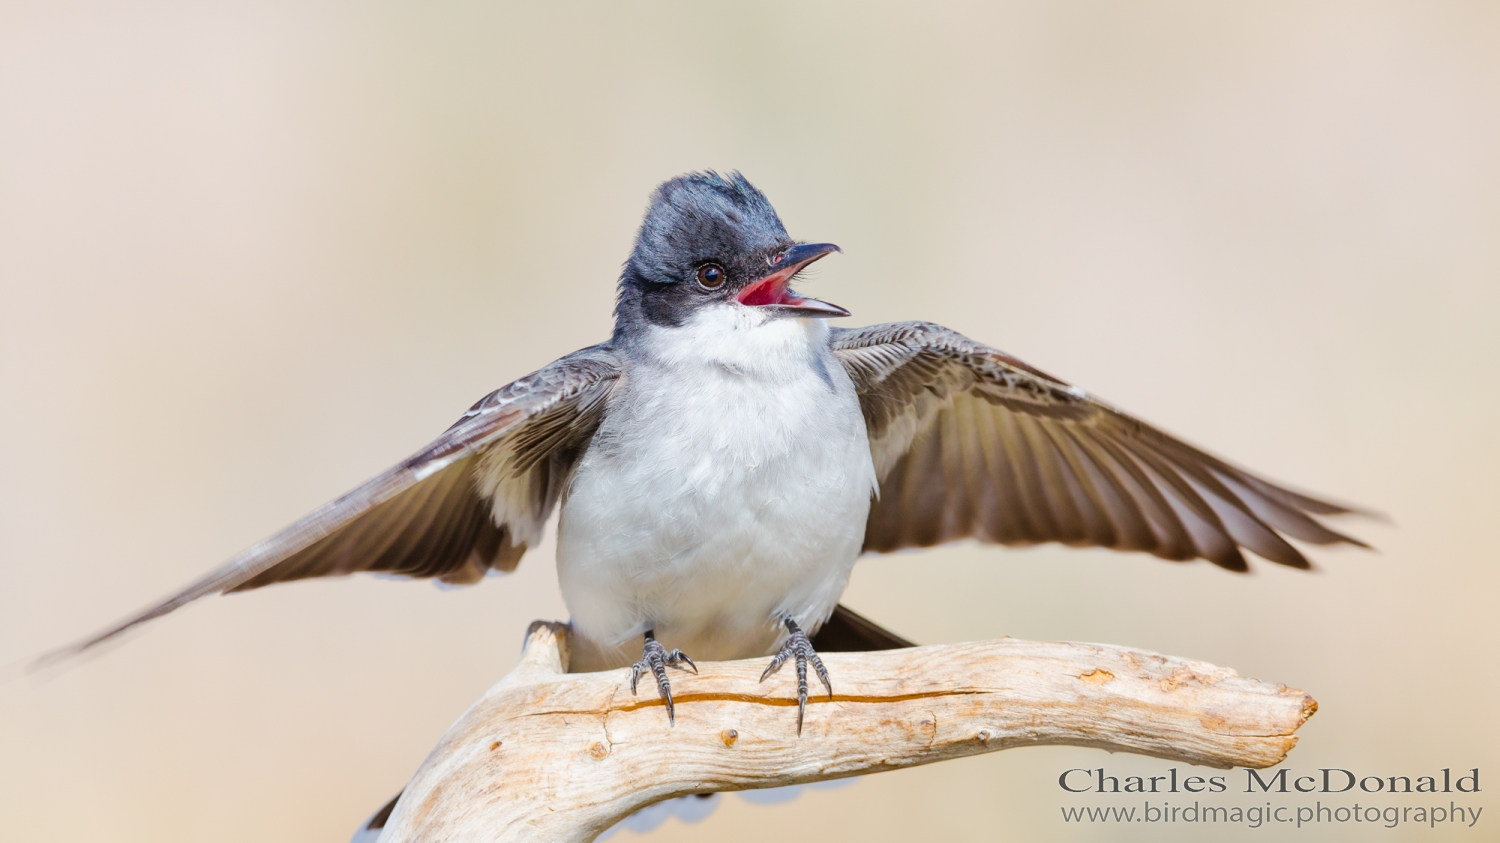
x,y
770,293
803,254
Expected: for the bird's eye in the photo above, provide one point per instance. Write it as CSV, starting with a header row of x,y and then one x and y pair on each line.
x,y
711,275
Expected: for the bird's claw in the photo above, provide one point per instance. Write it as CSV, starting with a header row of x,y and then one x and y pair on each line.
x,y
656,658
798,648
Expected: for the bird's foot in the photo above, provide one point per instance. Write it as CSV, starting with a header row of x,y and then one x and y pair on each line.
x,y
798,648
656,659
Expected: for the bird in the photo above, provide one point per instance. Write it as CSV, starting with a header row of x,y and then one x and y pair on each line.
x,y
724,458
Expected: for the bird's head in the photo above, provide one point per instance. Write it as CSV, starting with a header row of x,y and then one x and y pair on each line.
x,y
710,241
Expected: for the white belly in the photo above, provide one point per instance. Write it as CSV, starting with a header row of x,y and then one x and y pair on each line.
x,y
718,499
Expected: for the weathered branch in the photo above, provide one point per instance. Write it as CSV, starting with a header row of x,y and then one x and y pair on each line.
x,y
547,755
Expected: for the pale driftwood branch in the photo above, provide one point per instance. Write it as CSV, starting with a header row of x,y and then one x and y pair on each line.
x,y
547,755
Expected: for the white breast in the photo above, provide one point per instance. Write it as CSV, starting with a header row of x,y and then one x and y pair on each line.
x,y
727,487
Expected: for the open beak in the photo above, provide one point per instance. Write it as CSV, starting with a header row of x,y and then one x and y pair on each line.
x,y
771,293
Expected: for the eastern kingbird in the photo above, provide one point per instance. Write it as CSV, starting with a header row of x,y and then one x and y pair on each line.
x,y
725,457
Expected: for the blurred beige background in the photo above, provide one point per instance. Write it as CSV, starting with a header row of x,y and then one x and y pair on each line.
x,y
253,252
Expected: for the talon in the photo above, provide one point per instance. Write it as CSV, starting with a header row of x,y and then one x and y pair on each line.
x,y
801,662
800,650
655,658
817,664
678,657
775,664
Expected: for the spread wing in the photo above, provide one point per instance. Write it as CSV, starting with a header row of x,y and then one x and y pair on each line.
x,y
969,442
469,502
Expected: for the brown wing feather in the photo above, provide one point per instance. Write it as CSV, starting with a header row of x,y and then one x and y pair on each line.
x,y
434,515
969,442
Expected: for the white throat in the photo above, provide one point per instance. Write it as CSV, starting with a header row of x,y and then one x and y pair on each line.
x,y
740,340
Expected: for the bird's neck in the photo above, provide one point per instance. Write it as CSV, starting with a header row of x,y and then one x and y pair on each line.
x,y
739,341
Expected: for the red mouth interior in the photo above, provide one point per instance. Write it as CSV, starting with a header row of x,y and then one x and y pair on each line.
x,y
771,289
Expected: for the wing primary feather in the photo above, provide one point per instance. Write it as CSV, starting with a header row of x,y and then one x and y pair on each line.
x,y
1132,527
1294,523
1210,537
1171,538
1220,478
448,560
1297,500
377,543
1056,481
1099,526
1039,525
1020,527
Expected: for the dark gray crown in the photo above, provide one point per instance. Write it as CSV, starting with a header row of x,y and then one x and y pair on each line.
x,y
699,217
